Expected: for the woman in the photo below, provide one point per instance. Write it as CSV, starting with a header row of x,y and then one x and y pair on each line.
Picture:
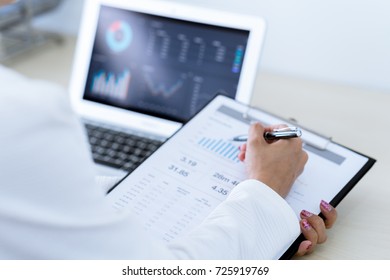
x,y
52,208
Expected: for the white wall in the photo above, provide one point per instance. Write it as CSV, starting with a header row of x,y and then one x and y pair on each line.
x,y
342,41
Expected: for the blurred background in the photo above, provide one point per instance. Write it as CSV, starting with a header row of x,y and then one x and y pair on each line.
x,y
338,41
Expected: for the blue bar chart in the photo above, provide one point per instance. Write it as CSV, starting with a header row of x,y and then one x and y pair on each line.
x,y
221,147
110,85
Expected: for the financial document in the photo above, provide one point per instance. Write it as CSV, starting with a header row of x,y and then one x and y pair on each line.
x,y
196,169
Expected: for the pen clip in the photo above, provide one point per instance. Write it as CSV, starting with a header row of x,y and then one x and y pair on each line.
x,y
283,133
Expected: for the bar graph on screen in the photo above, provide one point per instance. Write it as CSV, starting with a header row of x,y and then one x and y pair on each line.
x,y
110,85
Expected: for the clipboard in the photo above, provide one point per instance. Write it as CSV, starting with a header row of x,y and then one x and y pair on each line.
x,y
197,167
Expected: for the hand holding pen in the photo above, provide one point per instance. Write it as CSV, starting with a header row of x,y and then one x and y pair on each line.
x,y
275,163
275,134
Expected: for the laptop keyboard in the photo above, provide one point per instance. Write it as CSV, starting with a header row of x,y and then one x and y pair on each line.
x,y
118,149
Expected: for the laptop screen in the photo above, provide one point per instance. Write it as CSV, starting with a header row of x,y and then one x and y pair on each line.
x,y
160,66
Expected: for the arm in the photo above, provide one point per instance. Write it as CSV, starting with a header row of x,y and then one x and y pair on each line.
x,y
312,226
253,223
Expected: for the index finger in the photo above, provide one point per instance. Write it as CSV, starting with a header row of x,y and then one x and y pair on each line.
x,y
276,126
256,132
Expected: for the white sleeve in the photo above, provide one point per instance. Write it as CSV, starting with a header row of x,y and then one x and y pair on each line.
x,y
50,204
253,223
52,208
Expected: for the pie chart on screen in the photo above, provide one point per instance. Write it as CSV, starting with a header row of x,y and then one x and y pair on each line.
x,y
119,36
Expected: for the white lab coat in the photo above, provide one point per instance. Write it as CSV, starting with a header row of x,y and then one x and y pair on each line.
x,y
52,208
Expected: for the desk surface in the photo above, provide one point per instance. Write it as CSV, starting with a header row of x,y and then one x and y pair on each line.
x,y
344,113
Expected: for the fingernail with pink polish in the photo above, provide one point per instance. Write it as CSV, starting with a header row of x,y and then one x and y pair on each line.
x,y
306,214
326,205
306,224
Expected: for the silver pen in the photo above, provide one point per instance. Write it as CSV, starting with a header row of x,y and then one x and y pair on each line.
x,y
277,133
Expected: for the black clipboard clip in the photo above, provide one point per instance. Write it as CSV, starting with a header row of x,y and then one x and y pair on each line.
x,y
313,138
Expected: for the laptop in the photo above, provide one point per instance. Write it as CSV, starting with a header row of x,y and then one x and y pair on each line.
x,y
143,68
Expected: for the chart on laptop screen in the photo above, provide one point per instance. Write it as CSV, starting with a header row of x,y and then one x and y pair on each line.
x,y
161,66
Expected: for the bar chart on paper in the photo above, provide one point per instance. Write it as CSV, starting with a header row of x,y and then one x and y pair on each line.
x,y
220,147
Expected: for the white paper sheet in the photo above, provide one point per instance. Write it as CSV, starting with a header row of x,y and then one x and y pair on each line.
x,y
194,171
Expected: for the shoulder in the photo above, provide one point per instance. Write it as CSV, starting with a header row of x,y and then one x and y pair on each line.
x,y
19,91
30,101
